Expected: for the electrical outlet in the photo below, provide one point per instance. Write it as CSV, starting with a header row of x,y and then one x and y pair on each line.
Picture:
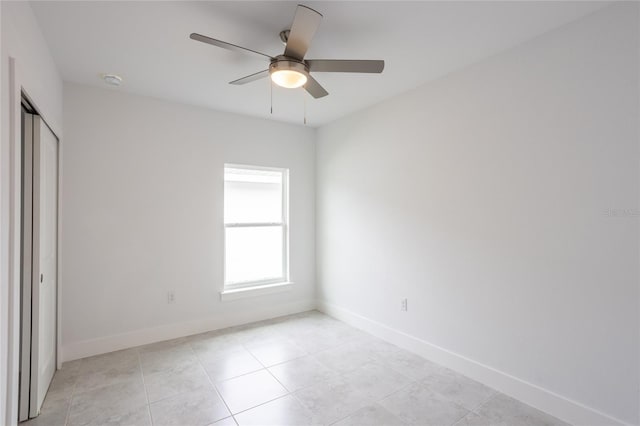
x,y
403,305
171,297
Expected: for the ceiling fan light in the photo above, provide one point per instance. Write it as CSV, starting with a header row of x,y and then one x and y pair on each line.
x,y
289,79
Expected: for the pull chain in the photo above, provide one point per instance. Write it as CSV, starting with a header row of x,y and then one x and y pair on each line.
x,y
304,99
271,87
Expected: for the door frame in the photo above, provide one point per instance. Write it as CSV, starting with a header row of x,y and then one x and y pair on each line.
x,y
24,386
17,91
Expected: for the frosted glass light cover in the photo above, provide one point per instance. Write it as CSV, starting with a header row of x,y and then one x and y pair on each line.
x,y
290,79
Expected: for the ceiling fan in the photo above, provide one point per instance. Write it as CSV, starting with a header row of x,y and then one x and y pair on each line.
x,y
290,69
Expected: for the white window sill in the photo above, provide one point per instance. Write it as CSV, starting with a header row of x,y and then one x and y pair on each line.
x,y
241,293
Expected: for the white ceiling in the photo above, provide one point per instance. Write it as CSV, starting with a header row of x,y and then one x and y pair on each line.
x,y
148,44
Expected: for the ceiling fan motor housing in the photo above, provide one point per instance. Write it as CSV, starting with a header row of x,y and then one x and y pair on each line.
x,y
281,62
284,36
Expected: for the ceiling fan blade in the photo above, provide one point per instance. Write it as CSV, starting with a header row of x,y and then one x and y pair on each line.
x,y
228,46
345,65
314,88
305,23
250,78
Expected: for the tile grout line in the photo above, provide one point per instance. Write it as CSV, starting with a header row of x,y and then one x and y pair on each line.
x,y
483,403
73,392
269,371
158,372
261,404
492,397
144,385
377,400
339,375
164,398
213,385
461,418
289,393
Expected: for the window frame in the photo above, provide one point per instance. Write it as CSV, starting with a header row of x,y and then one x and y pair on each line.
x,y
284,224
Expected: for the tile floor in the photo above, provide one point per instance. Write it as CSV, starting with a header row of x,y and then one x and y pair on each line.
x,y
304,369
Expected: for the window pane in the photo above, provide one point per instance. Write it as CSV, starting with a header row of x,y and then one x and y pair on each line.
x,y
252,196
253,254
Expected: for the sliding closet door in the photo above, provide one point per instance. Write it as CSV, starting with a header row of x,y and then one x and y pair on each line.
x,y
44,266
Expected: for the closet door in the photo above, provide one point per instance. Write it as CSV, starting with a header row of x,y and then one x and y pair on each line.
x,y
44,262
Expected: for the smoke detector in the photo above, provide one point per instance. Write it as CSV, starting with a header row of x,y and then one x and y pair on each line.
x,y
112,79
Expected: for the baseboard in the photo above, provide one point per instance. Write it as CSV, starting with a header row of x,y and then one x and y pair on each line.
x,y
557,405
102,345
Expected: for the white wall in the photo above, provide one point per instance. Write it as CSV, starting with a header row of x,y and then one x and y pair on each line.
x,y
142,215
35,72
483,198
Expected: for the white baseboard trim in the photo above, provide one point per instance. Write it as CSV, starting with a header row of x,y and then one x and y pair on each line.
x,y
557,405
102,345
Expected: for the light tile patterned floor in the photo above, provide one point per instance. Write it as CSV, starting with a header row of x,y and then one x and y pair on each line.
x,y
304,369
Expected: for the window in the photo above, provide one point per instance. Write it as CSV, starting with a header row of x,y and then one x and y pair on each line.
x,y
255,226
